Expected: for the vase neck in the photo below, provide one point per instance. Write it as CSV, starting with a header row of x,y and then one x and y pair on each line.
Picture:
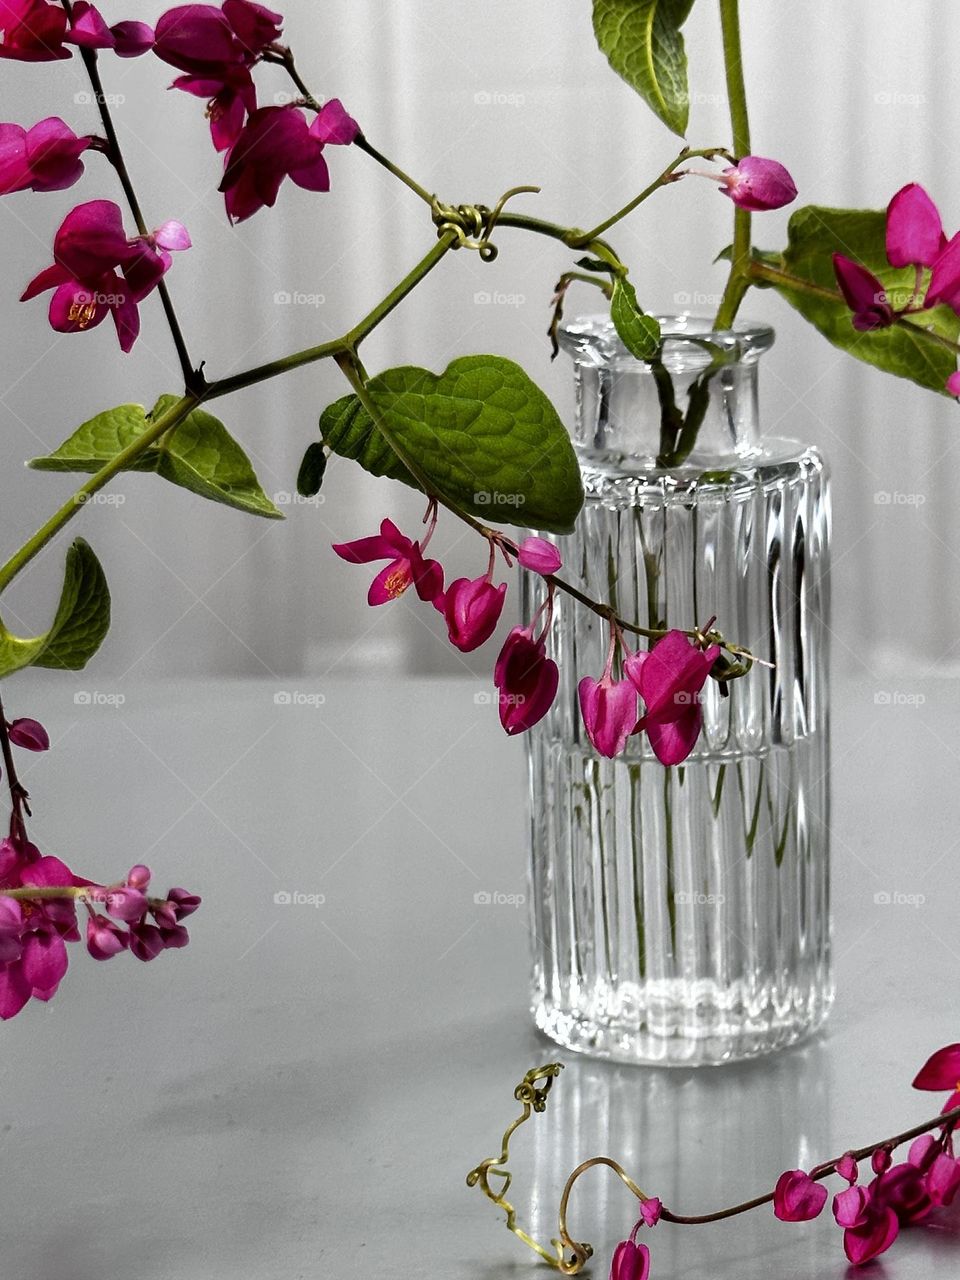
x,y
694,406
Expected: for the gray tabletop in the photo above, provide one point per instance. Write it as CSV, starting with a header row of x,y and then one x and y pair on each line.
x,y
302,1090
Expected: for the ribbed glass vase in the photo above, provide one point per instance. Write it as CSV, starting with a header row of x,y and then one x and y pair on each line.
x,y
681,915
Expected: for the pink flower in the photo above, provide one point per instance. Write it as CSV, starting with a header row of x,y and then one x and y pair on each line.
x,y
11,930
630,1261
864,294
874,1232
539,555
757,184
608,707
472,608
797,1198
33,31
669,678
184,903
89,248
255,26
941,1071
848,1168
650,1210
124,904
44,158
942,1180
406,565
526,679
29,734
138,877
131,39
277,143
104,938
914,230
47,925
953,383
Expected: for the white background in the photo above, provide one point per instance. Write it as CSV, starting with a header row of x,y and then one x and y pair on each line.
x,y
855,99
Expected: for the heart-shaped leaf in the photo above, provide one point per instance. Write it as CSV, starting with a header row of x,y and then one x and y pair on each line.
x,y
644,45
911,351
81,621
198,454
639,333
482,435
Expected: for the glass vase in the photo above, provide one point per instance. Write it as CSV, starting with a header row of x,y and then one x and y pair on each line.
x,y
681,915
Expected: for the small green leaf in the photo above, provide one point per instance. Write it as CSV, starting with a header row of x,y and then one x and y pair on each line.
x,y
643,44
310,475
639,333
199,454
79,626
908,351
482,435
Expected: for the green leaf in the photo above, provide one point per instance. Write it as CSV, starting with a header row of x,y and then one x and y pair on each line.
x,y
643,44
310,475
814,235
199,455
482,435
79,626
639,333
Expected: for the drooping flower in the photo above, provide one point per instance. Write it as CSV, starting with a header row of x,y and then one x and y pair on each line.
x,y
105,938
669,678
539,555
608,706
864,294
44,158
797,1197
757,184
526,679
870,1227
631,1261
33,31
472,608
98,271
47,925
277,143
406,566
28,733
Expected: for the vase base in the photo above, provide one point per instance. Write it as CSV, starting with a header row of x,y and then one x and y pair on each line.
x,y
684,1045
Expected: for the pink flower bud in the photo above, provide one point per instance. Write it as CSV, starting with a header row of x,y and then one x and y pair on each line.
x,y
472,608
609,710
146,941
185,903
848,1168
758,184
30,734
630,1261
527,681
125,904
797,1198
138,877
650,1210
881,1160
539,555
104,938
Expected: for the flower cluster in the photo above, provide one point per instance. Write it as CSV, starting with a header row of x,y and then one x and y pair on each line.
x,y
38,905
667,679
40,31
914,238
870,1214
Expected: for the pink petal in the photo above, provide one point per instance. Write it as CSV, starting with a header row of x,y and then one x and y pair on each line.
x,y
914,229
126,320
390,582
91,240
48,278
194,36
943,1180
672,742
472,610
953,383
670,675
650,1210
125,904
14,168
131,39
333,124
630,1261
863,293
29,734
923,1151
313,176
44,960
539,555
88,29
15,990
609,711
797,1198
863,1243
172,235
254,24
941,1070
945,276
850,1207
75,307
847,1167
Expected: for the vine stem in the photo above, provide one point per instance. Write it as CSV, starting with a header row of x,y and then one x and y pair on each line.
x,y
738,279
115,155
19,796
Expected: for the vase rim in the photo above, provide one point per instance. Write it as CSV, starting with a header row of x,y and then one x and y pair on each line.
x,y
594,337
